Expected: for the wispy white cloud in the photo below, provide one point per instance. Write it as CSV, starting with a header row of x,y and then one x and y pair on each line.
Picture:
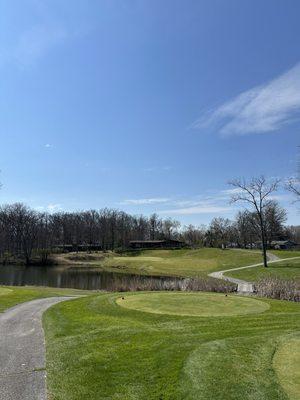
x,y
155,200
216,203
158,169
204,208
47,27
34,42
264,108
48,145
230,192
31,44
53,207
50,208
201,204
282,197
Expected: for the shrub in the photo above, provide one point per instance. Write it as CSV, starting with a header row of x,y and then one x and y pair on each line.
x,y
141,283
280,289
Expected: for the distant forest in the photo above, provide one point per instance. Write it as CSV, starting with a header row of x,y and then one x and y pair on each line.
x,y
26,233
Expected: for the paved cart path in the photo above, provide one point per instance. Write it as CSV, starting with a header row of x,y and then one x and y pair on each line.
x,y
22,350
244,286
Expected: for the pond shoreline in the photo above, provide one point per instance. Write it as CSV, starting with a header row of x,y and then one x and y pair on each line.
x,y
90,278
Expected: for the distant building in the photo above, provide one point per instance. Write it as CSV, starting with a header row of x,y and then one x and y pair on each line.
x,y
283,244
157,244
278,245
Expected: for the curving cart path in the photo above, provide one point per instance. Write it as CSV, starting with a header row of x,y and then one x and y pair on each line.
x,y
22,350
244,286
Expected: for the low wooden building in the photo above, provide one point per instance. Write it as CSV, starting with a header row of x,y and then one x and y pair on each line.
x,y
157,244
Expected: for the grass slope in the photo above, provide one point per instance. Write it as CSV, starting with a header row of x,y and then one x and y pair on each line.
x,y
285,270
286,253
184,262
98,350
11,296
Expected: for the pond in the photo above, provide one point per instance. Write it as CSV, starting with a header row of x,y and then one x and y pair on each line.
x,y
75,278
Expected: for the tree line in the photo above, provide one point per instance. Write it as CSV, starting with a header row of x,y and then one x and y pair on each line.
x,y
25,232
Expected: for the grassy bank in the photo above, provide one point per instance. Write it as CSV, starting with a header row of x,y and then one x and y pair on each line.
x,y
285,270
183,262
11,296
99,348
286,253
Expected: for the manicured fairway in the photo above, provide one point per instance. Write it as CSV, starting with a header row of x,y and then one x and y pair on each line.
x,y
285,360
289,269
99,350
184,262
197,304
286,253
10,296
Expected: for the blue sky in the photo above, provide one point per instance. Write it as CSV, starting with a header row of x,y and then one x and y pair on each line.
x,y
147,106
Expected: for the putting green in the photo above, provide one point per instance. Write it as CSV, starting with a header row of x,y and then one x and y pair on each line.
x,y
193,304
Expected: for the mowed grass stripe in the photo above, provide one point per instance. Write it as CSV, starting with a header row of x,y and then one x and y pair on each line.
x,y
287,365
234,368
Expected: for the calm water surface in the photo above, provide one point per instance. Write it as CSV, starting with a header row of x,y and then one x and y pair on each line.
x,y
63,277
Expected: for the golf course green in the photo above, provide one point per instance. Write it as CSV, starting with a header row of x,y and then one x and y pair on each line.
x,y
172,346
192,304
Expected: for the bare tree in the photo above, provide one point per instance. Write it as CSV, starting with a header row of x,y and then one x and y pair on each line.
x,y
220,231
245,228
256,193
293,186
169,227
194,236
155,226
275,217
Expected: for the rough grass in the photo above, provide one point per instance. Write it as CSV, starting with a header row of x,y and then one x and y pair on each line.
x,y
285,360
286,253
196,304
184,262
284,270
98,350
11,296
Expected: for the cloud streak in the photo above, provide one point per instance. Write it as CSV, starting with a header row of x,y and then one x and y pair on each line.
x,y
264,108
51,208
204,208
185,206
136,202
